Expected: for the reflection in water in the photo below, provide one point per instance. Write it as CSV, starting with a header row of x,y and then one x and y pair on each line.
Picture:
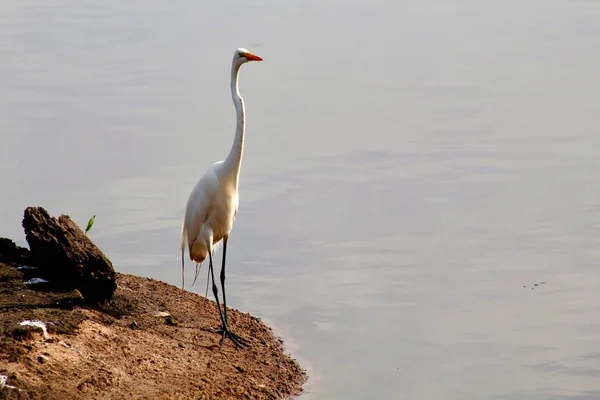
x,y
406,181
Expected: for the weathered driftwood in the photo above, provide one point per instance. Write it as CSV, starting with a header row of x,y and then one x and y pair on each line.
x,y
10,252
66,256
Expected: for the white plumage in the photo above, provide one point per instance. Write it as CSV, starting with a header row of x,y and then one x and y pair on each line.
x,y
210,212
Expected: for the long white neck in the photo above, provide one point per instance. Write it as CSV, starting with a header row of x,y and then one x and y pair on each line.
x,y
234,159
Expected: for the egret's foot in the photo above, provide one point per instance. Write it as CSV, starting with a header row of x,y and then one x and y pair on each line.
x,y
238,341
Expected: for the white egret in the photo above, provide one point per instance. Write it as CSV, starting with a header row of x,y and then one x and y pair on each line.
x,y
213,203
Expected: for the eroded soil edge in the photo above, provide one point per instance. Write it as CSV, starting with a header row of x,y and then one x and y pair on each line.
x,y
151,340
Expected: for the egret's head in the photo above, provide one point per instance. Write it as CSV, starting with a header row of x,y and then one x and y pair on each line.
x,y
242,56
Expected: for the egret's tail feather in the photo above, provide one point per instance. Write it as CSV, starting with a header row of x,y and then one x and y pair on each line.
x,y
198,267
207,280
183,238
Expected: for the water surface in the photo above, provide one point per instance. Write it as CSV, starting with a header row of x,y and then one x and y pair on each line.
x,y
412,169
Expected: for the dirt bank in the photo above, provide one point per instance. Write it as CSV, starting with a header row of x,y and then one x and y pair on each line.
x,y
151,341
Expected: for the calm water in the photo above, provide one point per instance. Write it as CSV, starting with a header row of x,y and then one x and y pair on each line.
x,y
410,167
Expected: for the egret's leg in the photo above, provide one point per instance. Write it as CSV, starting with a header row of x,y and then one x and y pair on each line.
x,y
223,277
239,342
214,287
245,341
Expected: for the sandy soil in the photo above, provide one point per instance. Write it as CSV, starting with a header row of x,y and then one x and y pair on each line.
x,y
151,341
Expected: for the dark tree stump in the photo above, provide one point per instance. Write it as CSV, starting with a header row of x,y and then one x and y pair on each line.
x,y
67,257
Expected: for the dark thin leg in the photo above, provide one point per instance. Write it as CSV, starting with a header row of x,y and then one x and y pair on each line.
x,y
223,278
237,341
214,288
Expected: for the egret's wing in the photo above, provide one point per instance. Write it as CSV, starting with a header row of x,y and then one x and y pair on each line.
x,y
199,204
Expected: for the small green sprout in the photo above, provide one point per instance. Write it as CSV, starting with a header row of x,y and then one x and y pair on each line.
x,y
90,223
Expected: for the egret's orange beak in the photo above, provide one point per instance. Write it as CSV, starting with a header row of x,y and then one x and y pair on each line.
x,y
252,57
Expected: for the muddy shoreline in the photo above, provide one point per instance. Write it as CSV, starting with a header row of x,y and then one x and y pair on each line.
x,y
151,340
